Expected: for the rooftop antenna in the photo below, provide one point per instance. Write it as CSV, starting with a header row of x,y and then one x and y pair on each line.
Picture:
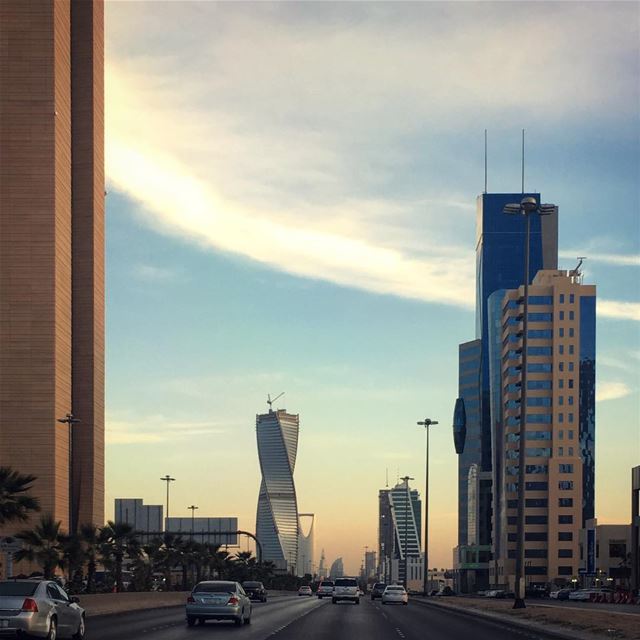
x,y
270,401
485,161
576,273
523,162
386,484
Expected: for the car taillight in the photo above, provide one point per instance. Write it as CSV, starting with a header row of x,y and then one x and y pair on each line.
x,y
30,605
190,599
233,600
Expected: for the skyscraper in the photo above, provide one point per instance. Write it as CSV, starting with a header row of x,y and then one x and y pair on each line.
x,y
559,422
52,251
399,525
277,517
499,266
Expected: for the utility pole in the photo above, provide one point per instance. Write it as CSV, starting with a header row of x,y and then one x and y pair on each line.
x,y
168,479
70,420
193,518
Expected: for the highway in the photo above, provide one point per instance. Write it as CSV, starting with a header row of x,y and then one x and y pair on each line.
x,y
296,618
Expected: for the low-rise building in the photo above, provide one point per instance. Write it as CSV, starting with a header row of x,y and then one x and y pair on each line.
x,y
605,555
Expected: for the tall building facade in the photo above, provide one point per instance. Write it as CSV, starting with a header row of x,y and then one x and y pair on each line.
x,y
277,524
306,543
52,251
399,525
559,425
635,527
337,569
500,241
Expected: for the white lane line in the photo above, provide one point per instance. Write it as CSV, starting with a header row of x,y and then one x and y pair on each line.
x,y
399,632
302,615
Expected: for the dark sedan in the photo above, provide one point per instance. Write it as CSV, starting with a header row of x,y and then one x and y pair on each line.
x,y
255,591
378,590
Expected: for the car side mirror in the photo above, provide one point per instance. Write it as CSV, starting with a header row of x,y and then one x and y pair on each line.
x,y
75,599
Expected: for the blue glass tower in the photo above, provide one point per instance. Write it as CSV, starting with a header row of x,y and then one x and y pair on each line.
x,y
500,245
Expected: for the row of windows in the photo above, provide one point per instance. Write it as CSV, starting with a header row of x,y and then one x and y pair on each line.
x,y
539,384
512,470
539,351
569,417
571,315
569,434
571,298
570,366
569,452
541,536
540,334
566,468
571,349
539,401
542,317
513,520
539,418
569,400
512,487
561,332
561,383
539,367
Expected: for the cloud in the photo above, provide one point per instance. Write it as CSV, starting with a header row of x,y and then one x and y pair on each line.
x,y
611,391
156,429
156,274
618,310
614,259
282,134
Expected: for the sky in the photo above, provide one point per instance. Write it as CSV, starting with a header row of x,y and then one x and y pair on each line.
x,y
291,207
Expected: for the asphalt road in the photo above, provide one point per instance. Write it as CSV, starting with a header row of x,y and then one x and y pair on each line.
x,y
296,618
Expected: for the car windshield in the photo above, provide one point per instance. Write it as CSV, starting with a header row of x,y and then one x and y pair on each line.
x,y
215,587
346,582
18,588
252,585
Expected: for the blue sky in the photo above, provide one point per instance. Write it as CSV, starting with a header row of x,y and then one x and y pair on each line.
x,y
291,208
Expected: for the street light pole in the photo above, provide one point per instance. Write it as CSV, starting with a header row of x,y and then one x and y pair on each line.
x,y
70,420
406,532
193,518
168,479
426,423
527,206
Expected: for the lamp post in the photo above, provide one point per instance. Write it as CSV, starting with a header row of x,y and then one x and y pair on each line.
x,y
407,503
193,518
426,423
70,420
168,479
526,207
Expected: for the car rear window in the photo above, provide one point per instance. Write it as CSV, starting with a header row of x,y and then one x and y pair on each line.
x,y
379,585
215,587
326,583
395,588
346,582
252,585
18,588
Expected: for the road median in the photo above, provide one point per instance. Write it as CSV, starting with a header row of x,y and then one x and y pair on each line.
x,y
554,623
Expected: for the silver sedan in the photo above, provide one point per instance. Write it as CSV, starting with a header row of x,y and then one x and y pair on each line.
x,y
39,608
218,600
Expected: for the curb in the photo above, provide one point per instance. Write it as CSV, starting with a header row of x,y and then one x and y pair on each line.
x,y
519,625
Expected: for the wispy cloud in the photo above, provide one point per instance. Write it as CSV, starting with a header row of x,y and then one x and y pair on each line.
x,y
157,274
618,309
156,429
611,391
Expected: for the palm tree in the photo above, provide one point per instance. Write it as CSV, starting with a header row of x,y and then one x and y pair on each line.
x,y
73,559
15,503
165,554
90,537
118,540
43,545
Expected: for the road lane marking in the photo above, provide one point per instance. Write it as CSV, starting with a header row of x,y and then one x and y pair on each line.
x,y
399,632
302,615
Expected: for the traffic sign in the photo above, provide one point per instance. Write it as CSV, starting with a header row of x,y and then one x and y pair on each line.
x,y
10,545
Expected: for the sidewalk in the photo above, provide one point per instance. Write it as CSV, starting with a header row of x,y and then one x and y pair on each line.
x,y
576,624
100,604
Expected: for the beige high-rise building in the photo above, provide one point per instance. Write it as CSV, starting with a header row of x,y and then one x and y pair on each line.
x,y
560,426
52,250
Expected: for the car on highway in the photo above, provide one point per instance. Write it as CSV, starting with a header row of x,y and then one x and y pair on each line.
x,y
41,609
585,595
305,590
560,594
345,589
495,593
255,590
377,590
325,589
396,594
218,600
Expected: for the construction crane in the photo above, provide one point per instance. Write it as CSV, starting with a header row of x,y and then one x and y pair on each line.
x,y
270,401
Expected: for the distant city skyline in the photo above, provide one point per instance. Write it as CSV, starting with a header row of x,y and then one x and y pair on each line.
x,y
307,224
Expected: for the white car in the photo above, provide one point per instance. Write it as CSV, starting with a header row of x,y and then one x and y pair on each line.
x,y
395,593
345,589
582,594
305,590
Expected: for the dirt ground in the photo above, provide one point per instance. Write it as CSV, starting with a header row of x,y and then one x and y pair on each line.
x,y
598,624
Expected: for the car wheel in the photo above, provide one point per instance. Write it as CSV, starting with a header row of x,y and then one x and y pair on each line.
x,y
239,621
53,629
405,603
191,620
79,635
358,601
248,620
333,600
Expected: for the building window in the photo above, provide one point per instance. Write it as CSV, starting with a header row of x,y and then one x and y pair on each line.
x,y
561,332
565,485
540,334
570,452
571,333
538,452
538,418
561,349
560,434
571,315
570,434
571,349
561,417
540,317
570,383
565,553
561,400
535,571
560,451
535,536
535,486
565,519
560,366
572,298
512,504
536,503
562,298
566,468
539,351
512,520
539,367
538,402
565,502
536,468
571,366
565,571
538,435
538,384
536,519
561,383
535,553
571,417
570,399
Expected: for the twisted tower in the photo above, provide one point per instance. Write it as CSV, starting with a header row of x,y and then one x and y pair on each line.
x,y
277,517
